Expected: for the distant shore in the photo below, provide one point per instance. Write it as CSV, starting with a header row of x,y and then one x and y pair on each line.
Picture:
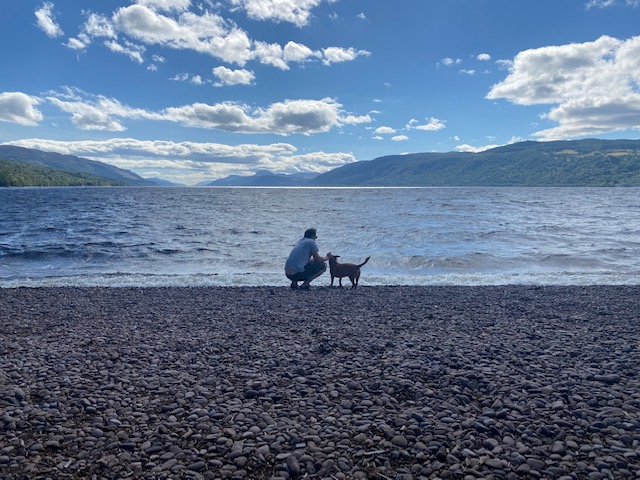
x,y
266,382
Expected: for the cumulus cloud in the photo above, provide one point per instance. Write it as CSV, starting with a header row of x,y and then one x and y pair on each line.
x,y
400,138
432,125
46,21
167,5
173,24
226,76
338,54
356,119
474,149
484,57
385,131
97,112
297,12
282,118
20,108
593,86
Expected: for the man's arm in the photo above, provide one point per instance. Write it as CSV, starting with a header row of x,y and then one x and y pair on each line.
x,y
318,258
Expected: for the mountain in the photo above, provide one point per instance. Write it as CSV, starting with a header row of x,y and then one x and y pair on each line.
x,y
590,162
73,165
25,174
263,178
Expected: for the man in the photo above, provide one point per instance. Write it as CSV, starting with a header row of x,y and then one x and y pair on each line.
x,y
304,264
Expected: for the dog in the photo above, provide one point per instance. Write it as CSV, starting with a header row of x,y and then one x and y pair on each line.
x,y
339,270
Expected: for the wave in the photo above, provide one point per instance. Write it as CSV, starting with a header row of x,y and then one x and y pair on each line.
x,y
248,279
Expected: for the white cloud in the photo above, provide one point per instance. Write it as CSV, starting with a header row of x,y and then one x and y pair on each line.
x,y
357,119
432,125
448,61
361,16
594,86
385,131
504,64
99,26
283,118
185,77
46,21
293,11
338,54
477,149
474,149
91,112
318,162
297,52
171,24
166,5
131,50
400,138
610,3
20,108
226,76
207,33
97,112
468,72
484,57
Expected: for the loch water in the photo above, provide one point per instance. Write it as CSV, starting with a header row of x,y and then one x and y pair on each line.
x,y
166,236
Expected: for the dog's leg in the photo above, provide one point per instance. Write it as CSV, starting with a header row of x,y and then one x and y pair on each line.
x,y
355,285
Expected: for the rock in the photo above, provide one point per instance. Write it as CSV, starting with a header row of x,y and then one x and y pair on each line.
x,y
293,466
400,441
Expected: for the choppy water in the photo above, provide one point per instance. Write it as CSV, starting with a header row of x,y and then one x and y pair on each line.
x,y
241,236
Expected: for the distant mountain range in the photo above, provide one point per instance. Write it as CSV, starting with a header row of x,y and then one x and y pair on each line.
x,y
589,162
263,178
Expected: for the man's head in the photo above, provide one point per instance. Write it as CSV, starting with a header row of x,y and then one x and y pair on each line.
x,y
310,233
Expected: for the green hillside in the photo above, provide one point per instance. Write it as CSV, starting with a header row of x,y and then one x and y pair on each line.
x,y
79,168
22,174
563,163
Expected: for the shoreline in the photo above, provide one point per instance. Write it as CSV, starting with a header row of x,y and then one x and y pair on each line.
x,y
265,382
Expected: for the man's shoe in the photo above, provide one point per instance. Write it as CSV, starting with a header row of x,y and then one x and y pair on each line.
x,y
294,285
305,286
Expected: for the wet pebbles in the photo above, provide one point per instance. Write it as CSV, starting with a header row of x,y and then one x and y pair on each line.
x,y
381,382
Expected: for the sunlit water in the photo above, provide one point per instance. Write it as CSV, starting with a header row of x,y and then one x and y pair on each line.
x,y
242,236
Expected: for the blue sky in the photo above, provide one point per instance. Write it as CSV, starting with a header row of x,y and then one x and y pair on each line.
x,y
193,90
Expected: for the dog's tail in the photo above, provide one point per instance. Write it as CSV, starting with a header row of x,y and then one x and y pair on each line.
x,y
366,260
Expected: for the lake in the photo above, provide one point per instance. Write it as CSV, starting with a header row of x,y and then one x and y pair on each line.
x,y
156,236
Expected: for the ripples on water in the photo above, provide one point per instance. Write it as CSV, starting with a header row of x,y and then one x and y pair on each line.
x,y
241,236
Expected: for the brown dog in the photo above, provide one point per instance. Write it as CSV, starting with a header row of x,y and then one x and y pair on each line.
x,y
340,270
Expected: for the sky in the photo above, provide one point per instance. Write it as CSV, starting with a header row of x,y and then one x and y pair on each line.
x,y
196,90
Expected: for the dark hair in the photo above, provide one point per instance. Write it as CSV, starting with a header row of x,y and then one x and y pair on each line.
x,y
310,233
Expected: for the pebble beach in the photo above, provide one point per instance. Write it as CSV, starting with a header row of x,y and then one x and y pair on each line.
x,y
501,382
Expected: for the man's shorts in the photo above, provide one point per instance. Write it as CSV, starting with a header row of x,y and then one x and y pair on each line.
x,y
310,269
